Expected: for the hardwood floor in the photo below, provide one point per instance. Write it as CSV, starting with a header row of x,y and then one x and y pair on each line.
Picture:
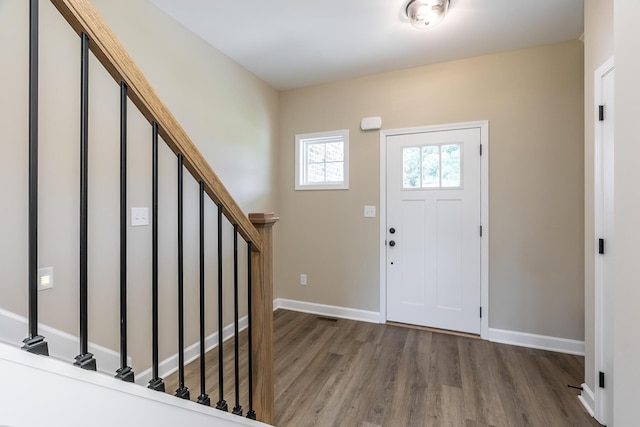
x,y
346,373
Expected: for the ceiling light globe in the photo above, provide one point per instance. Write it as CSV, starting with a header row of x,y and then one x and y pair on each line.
x,y
427,13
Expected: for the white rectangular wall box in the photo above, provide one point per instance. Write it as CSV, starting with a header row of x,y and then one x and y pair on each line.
x,y
371,123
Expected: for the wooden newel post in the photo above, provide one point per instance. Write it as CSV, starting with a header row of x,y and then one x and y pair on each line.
x,y
262,318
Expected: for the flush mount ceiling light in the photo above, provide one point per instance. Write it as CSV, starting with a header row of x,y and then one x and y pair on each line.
x,y
427,13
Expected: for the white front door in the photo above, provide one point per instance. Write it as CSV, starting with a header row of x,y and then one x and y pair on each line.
x,y
433,229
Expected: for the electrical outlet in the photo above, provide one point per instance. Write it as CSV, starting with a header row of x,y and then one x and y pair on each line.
x,y
45,278
139,216
303,279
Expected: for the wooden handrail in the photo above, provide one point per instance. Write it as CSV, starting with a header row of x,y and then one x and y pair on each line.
x,y
83,17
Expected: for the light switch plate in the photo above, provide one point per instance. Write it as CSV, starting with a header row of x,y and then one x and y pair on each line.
x,y
139,216
369,211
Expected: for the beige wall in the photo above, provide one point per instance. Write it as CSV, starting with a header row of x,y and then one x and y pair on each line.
x,y
598,47
627,211
230,114
533,100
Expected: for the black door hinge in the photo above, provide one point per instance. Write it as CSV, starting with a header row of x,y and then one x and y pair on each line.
x,y
601,380
480,231
601,112
481,312
481,149
601,246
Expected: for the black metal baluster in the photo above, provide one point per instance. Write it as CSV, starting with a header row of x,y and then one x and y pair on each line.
x,y
182,391
156,382
125,373
222,404
34,343
85,359
237,410
204,398
250,413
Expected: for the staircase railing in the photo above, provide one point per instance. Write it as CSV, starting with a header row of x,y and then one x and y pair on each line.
x,y
256,229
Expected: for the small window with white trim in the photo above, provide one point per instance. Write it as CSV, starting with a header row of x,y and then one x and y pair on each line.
x,y
322,161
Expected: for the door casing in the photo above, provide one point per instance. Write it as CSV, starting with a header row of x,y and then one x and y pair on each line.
x,y
484,211
603,276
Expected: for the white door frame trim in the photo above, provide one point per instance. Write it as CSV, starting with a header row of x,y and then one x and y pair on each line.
x,y
483,125
600,299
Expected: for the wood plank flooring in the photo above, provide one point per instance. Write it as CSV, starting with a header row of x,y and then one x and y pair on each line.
x,y
346,373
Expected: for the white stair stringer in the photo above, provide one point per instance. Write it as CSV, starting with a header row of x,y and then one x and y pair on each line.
x,y
41,391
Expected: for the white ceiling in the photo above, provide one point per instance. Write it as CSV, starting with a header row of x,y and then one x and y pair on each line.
x,y
295,43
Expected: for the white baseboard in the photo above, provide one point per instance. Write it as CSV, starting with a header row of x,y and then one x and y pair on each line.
x,y
542,342
587,398
170,365
522,339
62,346
327,310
